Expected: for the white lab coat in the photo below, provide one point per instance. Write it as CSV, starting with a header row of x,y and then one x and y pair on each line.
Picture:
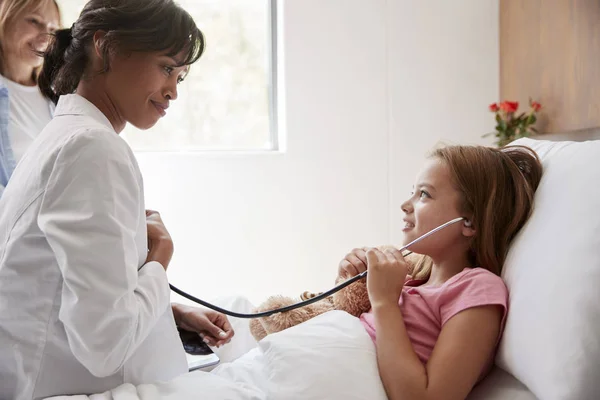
x,y
80,312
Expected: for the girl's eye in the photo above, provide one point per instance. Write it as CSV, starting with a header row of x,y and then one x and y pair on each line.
x,y
34,21
168,70
180,79
424,194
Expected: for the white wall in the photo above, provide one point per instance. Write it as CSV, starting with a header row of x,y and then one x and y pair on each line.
x,y
367,88
444,60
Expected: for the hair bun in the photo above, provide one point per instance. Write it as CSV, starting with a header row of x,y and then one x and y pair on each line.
x,y
527,161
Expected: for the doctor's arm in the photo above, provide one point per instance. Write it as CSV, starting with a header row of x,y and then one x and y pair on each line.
x,y
90,214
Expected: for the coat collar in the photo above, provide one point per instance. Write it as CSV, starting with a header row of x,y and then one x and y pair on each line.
x,y
74,104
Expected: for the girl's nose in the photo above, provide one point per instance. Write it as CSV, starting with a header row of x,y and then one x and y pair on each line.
x,y
407,207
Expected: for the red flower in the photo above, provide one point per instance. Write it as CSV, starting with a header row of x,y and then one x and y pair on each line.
x,y
509,106
536,106
494,107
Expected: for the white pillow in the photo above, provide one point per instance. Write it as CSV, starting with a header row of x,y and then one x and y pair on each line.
x,y
327,357
552,337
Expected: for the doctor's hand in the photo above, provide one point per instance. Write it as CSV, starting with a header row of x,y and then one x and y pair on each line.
x,y
160,245
212,326
387,273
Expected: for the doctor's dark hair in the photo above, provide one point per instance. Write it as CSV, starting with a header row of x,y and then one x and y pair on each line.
x,y
497,187
129,26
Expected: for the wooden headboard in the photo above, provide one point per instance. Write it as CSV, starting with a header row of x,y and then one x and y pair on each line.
x,y
550,50
575,136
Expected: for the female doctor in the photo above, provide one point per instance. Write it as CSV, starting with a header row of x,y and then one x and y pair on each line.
x,y
84,297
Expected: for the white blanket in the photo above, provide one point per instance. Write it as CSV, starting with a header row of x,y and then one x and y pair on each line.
x,y
328,357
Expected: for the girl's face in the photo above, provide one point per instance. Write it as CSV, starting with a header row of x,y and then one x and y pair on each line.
x,y
142,86
433,202
30,32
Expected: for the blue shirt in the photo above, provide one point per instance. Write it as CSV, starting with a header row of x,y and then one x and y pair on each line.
x,y
7,159
8,162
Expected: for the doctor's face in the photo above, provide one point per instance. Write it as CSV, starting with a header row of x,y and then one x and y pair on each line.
x,y
143,85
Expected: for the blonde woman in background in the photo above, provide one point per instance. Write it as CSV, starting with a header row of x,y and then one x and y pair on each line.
x,y
25,28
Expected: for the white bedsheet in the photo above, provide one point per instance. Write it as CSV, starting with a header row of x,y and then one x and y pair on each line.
x,y
328,357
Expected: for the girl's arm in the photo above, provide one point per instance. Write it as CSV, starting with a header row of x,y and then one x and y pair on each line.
x,y
464,346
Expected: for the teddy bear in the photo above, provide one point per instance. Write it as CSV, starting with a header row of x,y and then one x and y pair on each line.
x,y
353,299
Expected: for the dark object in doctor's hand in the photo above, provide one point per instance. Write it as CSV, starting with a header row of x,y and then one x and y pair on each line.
x,y
193,343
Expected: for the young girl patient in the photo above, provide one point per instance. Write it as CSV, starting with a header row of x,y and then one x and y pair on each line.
x,y
436,330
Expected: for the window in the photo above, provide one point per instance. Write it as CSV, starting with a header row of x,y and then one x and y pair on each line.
x,y
227,100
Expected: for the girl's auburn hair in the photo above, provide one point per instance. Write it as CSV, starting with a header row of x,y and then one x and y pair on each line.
x,y
497,188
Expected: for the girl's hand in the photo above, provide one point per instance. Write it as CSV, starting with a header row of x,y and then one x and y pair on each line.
x,y
353,264
387,272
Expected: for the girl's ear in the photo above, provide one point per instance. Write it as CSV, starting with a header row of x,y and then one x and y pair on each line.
x,y
467,228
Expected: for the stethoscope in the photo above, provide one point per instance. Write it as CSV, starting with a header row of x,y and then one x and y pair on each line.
x,y
316,298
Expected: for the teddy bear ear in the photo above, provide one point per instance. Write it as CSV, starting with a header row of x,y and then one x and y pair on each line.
x,y
306,295
257,329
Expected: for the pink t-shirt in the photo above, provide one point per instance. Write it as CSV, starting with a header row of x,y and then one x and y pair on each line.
x,y
426,309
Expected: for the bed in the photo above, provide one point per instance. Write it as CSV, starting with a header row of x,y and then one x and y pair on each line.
x,y
550,348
